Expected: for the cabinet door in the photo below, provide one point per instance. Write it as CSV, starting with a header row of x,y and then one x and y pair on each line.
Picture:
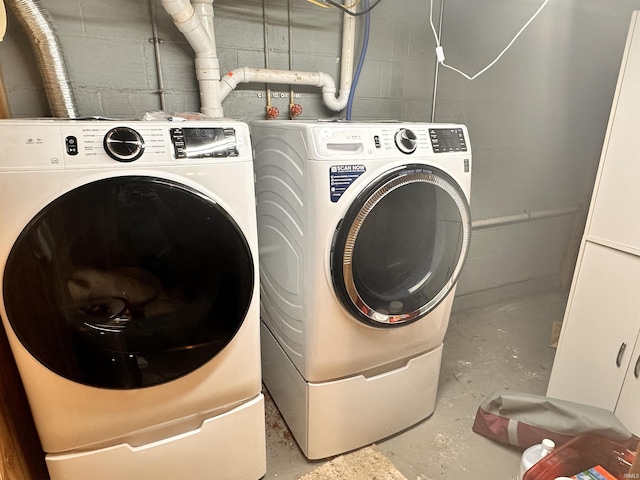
x,y
628,408
600,328
614,212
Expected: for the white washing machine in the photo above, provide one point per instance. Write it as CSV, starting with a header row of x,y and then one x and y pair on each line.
x,y
128,261
363,230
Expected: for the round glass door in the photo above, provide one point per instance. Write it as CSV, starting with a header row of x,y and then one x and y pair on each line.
x,y
128,282
401,245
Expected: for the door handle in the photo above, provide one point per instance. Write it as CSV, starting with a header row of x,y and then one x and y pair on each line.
x,y
623,347
636,370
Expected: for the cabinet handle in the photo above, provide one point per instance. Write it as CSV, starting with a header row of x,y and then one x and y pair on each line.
x,y
636,371
620,353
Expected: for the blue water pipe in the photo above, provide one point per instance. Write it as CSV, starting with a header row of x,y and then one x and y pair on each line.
x,y
363,54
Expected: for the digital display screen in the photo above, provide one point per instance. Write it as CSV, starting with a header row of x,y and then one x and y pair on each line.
x,y
204,142
448,140
196,137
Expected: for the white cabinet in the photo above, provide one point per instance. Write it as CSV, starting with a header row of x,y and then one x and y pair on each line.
x,y
598,357
614,215
600,330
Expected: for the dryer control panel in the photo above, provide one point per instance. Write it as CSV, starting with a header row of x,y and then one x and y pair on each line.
x,y
204,142
63,143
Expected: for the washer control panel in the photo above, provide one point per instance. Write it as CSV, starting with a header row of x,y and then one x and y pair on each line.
x,y
386,140
444,140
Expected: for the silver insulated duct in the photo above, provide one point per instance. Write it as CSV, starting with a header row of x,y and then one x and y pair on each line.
x,y
48,53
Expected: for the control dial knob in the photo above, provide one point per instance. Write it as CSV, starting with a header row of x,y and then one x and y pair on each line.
x,y
406,140
123,144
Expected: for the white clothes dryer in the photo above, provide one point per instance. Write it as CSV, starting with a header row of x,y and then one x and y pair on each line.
x,y
363,230
128,269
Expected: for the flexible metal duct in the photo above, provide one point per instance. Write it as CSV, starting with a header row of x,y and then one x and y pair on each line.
x,y
48,55
3,20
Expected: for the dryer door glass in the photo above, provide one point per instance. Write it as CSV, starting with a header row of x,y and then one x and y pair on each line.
x,y
128,282
401,246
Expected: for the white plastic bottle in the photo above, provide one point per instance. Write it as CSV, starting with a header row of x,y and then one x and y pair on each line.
x,y
534,454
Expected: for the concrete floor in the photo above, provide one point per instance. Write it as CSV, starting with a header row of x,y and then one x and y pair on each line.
x,y
501,346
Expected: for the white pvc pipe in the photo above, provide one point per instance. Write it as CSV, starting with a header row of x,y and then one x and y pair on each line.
x,y
180,10
316,79
206,61
204,11
268,75
196,24
346,64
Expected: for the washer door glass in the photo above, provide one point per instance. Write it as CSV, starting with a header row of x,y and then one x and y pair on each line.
x,y
401,245
128,282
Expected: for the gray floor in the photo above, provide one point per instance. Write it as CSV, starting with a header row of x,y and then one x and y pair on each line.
x,y
501,346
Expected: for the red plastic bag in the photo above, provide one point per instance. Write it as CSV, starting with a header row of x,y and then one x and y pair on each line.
x,y
524,420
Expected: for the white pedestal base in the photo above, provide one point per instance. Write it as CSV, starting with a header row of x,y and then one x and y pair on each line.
x,y
230,446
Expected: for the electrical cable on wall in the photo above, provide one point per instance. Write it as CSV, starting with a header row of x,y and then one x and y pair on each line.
x,y
348,10
440,51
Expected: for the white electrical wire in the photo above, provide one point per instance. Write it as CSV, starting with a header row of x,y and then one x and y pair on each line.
x,y
440,51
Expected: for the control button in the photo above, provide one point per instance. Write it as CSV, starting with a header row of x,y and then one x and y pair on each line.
x,y
71,143
179,145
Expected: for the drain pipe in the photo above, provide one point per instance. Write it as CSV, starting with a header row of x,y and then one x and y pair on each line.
x,y
263,75
207,64
316,79
196,24
48,55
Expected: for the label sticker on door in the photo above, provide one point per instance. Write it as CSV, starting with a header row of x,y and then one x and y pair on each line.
x,y
341,177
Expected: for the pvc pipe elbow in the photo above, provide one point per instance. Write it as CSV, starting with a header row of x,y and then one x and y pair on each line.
x,y
230,81
332,102
329,93
180,10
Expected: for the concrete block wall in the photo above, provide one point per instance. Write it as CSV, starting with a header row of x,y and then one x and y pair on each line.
x,y
111,60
